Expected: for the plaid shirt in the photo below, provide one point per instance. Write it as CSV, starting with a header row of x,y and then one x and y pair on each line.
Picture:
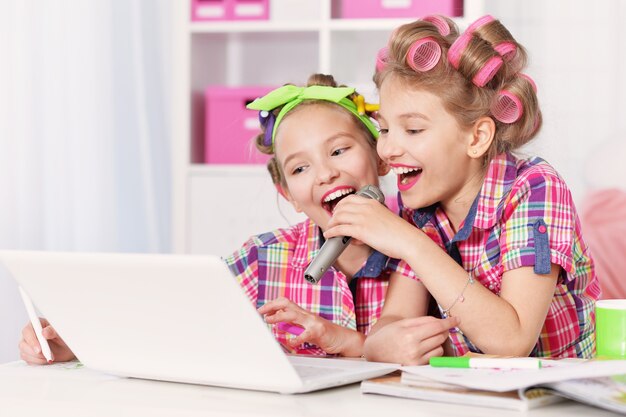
x,y
524,216
272,265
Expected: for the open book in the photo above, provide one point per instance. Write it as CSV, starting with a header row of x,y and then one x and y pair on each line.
x,y
597,383
429,390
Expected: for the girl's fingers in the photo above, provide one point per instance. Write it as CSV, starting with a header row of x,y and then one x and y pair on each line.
x,y
33,359
288,316
438,351
277,304
432,343
28,335
48,332
28,349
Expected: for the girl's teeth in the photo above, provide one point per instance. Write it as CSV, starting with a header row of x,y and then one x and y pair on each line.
x,y
337,194
404,170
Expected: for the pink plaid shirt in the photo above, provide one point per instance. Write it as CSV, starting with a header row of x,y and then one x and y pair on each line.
x,y
524,216
272,265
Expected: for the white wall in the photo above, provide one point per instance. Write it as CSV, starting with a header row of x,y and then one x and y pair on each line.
x,y
577,53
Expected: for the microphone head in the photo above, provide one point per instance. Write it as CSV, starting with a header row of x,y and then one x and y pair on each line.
x,y
373,192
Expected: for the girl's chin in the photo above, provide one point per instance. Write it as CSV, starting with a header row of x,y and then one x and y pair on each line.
x,y
412,201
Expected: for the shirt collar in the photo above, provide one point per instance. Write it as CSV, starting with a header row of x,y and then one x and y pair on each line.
x,y
499,179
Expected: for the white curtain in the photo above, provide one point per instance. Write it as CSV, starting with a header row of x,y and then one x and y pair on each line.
x,y
84,132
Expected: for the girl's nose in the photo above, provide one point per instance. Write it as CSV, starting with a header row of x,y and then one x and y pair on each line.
x,y
326,173
387,148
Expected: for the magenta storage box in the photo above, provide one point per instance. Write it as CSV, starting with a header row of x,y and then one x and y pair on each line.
x,y
202,10
230,127
359,9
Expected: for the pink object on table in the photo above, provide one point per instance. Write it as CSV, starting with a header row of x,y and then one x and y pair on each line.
x,y
359,9
230,128
211,10
603,218
289,328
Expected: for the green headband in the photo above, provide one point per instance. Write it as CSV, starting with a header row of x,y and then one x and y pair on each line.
x,y
289,96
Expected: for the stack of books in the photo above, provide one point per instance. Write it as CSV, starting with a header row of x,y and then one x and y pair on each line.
x,y
597,383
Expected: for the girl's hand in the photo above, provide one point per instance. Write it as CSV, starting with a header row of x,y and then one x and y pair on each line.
x,y
328,336
373,224
30,350
409,341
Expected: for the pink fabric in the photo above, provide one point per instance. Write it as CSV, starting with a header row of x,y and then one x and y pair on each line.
x,y
604,224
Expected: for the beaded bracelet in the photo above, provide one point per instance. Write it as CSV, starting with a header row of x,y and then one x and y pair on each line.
x,y
446,312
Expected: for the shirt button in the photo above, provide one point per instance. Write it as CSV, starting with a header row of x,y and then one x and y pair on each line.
x,y
542,229
491,286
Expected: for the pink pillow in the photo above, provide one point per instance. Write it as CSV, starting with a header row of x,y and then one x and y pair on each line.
x,y
603,218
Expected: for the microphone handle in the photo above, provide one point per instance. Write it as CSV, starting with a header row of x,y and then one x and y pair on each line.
x,y
332,248
328,254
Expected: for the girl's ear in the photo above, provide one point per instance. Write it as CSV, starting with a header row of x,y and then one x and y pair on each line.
x,y
482,135
287,196
383,168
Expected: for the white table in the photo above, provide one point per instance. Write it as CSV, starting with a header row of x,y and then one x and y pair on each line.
x,y
55,391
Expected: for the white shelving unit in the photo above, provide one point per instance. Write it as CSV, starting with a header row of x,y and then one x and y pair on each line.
x,y
216,207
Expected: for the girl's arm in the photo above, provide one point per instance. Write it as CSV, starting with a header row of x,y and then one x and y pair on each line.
x,y
508,324
405,298
404,334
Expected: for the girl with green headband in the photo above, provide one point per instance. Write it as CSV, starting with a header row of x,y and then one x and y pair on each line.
x,y
323,147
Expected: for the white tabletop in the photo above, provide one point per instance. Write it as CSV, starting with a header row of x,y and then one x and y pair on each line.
x,y
56,391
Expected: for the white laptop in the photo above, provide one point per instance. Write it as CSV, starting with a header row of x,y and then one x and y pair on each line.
x,y
180,318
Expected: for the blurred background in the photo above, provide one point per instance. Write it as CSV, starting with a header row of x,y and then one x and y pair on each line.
x,y
105,139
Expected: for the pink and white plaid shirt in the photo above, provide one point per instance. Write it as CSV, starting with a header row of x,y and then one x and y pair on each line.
x,y
272,265
524,215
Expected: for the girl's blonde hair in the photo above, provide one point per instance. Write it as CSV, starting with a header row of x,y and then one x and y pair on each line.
x,y
456,84
316,79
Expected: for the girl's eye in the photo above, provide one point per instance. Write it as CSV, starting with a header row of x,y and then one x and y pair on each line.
x,y
297,170
339,151
414,131
383,131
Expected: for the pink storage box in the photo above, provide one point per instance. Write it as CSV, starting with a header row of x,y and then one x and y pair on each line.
x,y
359,9
230,128
203,10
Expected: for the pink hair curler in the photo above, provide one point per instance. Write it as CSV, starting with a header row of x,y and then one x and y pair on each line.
x,y
459,45
440,23
457,48
481,21
507,50
381,58
530,80
507,107
423,55
487,72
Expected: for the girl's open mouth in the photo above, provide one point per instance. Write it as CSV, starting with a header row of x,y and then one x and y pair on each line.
x,y
407,176
330,199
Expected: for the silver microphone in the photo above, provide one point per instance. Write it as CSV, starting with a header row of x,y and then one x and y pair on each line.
x,y
332,248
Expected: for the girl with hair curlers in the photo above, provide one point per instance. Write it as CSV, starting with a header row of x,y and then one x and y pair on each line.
x,y
495,238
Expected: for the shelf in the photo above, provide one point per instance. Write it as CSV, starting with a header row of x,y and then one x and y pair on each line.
x,y
270,26
255,26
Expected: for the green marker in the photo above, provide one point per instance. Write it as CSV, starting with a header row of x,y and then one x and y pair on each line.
x,y
484,363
